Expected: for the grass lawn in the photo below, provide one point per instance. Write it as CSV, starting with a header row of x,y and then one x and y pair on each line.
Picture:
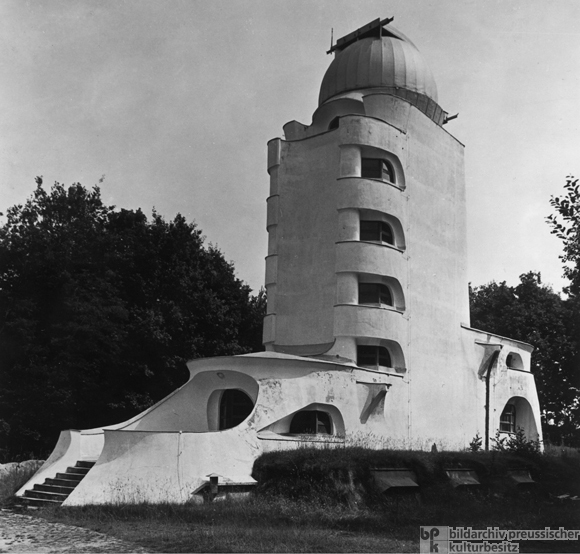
x,y
282,525
325,501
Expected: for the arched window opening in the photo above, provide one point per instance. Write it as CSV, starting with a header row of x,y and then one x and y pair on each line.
x,y
311,422
375,294
235,407
375,168
373,357
377,231
514,361
334,124
507,420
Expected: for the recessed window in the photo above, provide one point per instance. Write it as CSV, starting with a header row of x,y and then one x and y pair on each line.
x,y
374,168
334,124
377,231
235,407
311,422
375,294
373,357
507,421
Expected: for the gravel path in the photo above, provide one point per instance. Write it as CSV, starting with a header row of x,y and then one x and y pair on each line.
x,y
24,533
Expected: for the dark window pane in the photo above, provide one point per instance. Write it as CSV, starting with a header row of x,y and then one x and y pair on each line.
x,y
235,407
324,424
386,296
370,230
310,422
387,233
387,171
384,357
366,355
368,293
371,168
334,124
507,420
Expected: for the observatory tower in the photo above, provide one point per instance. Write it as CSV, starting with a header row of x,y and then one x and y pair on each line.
x,y
367,329
366,216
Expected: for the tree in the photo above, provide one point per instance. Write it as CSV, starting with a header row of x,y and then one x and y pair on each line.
x,y
565,225
100,310
533,313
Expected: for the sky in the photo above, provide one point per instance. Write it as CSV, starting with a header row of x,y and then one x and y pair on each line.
x,y
174,101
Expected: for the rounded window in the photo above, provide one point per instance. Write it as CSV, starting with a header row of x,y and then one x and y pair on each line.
x,y
235,407
373,357
374,294
376,168
311,422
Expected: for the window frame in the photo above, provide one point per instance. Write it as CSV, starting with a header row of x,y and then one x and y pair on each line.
x,y
384,170
382,291
378,350
508,419
321,418
382,228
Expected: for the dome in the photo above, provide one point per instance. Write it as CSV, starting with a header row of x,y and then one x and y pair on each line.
x,y
390,61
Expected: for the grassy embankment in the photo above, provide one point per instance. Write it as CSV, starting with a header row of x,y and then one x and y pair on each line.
x,y
324,501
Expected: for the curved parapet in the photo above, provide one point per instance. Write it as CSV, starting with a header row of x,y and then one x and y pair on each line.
x,y
153,467
72,445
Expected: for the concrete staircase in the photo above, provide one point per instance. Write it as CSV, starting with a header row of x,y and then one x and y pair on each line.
x,y
53,492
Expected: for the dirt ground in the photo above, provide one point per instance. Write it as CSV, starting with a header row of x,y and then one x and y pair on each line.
x,y
24,533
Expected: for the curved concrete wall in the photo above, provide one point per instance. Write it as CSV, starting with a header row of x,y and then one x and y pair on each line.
x,y
367,257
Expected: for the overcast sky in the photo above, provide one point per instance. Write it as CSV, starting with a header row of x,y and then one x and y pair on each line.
x,y
174,102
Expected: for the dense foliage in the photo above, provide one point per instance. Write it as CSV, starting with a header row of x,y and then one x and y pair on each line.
x,y
101,308
531,312
565,225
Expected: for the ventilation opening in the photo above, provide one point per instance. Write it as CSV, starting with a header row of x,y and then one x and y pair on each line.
x,y
235,407
334,124
311,422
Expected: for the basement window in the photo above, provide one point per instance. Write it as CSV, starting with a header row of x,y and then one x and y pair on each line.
x,y
377,231
374,294
373,357
235,407
507,420
311,422
373,168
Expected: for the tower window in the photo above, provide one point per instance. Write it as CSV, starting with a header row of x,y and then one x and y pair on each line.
x,y
374,293
507,421
334,123
311,422
373,168
378,231
373,357
235,407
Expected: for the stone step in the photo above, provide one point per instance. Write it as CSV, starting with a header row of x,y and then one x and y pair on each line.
x,y
40,502
46,495
78,470
85,463
47,487
71,476
62,482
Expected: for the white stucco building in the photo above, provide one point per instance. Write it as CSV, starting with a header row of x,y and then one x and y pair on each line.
x,y
367,329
